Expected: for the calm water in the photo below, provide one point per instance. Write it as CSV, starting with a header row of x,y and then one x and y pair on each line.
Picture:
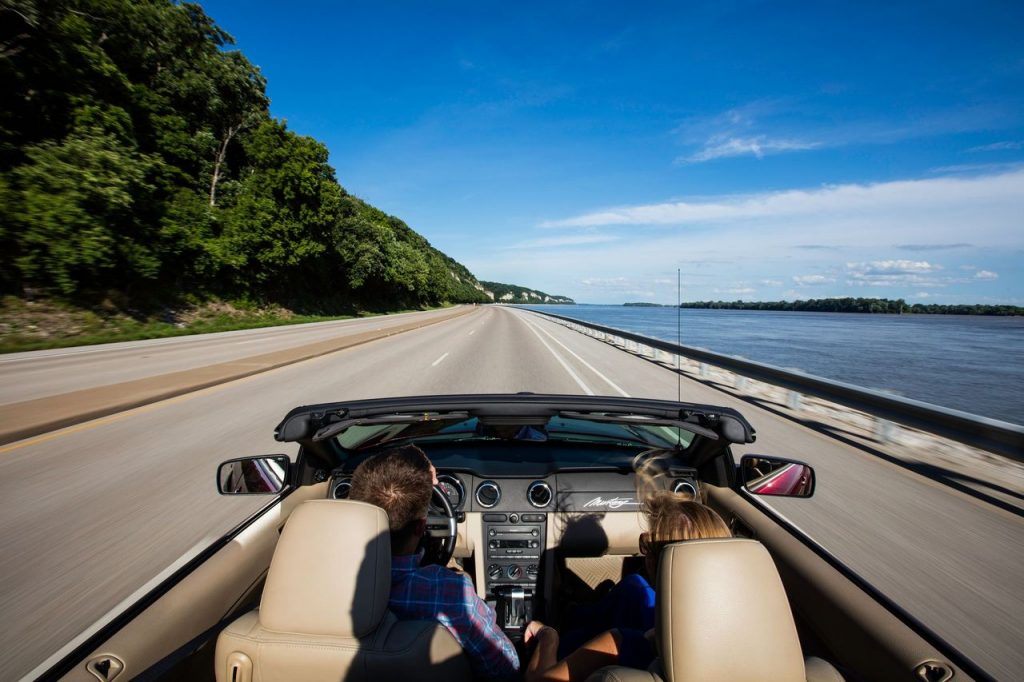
x,y
974,364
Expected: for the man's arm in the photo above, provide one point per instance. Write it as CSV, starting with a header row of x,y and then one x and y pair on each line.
x,y
491,653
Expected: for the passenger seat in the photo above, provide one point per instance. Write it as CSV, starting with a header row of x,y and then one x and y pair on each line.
x,y
722,614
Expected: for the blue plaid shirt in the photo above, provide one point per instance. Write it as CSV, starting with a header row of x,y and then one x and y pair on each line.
x,y
436,593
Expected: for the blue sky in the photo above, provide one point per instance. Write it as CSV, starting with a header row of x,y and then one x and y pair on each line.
x,y
769,150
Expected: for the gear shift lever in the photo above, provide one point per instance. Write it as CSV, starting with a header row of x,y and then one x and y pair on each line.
x,y
512,608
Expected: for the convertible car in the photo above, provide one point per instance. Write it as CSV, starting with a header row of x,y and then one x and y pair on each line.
x,y
539,501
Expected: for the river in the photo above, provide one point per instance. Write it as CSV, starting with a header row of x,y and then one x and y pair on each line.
x,y
969,363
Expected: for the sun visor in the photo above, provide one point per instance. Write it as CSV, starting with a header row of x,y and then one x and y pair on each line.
x,y
735,431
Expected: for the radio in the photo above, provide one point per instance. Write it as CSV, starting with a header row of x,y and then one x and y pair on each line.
x,y
513,544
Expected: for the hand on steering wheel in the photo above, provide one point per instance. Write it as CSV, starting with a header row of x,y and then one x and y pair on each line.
x,y
442,529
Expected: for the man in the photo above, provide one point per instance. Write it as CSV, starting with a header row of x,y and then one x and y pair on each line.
x,y
400,482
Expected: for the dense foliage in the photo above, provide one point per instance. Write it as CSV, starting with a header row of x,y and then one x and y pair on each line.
x,y
857,305
512,293
137,154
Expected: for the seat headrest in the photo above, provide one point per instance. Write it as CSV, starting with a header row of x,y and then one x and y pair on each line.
x,y
722,614
331,571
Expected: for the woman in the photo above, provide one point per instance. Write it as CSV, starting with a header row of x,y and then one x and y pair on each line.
x,y
671,517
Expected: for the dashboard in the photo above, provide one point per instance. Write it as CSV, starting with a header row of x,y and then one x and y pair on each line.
x,y
509,524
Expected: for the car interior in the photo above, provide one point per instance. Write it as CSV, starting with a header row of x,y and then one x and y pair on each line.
x,y
541,513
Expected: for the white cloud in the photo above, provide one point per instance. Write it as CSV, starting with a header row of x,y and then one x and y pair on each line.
x,y
985,274
812,280
739,291
893,267
921,294
888,273
915,199
725,146
772,282
754,237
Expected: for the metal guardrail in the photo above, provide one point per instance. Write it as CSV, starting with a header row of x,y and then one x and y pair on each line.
x,y
993,435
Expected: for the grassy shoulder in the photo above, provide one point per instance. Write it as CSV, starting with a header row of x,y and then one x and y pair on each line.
x,y
27,325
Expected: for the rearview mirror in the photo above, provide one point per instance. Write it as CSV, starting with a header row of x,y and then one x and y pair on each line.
x,y
253,475
773,476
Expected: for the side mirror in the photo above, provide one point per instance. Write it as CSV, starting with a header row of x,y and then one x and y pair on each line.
x,y
773,476
253,475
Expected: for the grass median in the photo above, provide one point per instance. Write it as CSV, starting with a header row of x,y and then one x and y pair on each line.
x,y
42,324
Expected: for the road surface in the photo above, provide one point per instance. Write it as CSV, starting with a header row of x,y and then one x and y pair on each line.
x,y
90,513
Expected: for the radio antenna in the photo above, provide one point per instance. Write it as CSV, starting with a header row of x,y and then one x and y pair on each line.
x,y
679,333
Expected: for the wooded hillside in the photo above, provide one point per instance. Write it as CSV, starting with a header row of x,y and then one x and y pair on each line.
x,y
138,155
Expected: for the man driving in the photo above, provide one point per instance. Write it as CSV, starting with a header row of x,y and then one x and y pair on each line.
x,y
400,482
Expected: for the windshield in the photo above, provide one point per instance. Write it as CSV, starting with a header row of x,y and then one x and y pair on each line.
x,y
557,429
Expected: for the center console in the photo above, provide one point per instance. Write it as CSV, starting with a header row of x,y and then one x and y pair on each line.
x,y
514,545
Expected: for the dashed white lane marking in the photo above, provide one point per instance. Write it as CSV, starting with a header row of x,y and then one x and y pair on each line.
x,y
563,363
585,363
437,362
472,332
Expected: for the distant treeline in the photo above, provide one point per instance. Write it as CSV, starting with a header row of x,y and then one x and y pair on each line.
x,y
857,305
138,155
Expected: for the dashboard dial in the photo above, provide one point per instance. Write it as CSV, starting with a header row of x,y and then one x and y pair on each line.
x,y
452,488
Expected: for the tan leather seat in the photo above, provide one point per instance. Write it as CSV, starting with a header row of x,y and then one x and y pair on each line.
x,y
324,612
722,614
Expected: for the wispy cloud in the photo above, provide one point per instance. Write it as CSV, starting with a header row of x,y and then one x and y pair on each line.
x,y
737,132
772,282
933,247
775,126
976,168
724,146
737,291
998,146
985,274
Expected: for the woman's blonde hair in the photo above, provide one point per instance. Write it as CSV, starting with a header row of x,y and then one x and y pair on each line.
x,y
673,517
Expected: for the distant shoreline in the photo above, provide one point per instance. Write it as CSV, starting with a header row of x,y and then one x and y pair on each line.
x,y
868,306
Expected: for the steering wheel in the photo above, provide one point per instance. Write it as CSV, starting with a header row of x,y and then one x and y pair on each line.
x,y
438,542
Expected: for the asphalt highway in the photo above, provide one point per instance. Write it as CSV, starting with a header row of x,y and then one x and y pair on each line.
x,y
38,374
90,513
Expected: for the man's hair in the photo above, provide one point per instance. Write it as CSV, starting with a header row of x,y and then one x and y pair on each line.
x,y
399,482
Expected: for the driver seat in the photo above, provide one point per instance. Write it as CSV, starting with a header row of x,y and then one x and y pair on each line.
x,y
324,615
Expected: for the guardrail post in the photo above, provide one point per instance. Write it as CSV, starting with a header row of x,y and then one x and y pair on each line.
x,y
741,383
793,400
704,370
884,430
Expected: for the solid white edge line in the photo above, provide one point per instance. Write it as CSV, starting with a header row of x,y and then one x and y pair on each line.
x,y
586,389
585,363
437,362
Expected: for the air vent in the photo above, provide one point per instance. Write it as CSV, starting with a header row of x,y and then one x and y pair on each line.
x,y
488,494
539,494
340,490
685,487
